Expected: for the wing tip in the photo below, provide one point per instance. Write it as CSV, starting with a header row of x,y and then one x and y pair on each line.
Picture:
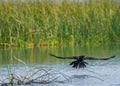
x,y
113,56
51,54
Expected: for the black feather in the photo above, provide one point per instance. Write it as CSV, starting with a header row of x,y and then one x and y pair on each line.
x,y
79,62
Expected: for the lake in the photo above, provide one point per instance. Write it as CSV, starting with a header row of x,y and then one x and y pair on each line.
x,y
22,61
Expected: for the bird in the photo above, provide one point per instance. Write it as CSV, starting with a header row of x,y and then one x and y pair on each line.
x,y
80,60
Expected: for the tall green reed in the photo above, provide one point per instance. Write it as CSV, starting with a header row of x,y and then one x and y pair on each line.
x,y
50,23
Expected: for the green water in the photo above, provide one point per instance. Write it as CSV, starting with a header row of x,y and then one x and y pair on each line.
x,y
41,55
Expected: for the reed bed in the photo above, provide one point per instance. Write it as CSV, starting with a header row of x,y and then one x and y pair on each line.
x,y
49,23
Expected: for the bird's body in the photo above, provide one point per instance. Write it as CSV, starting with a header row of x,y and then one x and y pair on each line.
x,y
80,60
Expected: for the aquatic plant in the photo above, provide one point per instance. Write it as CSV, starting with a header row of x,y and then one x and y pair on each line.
x,y
49,23
32,75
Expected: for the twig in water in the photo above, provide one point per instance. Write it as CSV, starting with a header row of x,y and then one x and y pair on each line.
x,y
19,60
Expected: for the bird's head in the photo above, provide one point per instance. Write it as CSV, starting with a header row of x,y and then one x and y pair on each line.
x,y
81,58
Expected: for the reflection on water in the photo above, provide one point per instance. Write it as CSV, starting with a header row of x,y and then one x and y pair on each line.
x,y
41,55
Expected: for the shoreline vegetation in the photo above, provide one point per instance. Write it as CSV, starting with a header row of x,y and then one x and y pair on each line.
x,y
45,23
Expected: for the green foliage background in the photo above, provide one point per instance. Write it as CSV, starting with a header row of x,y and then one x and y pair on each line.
x,y
48,23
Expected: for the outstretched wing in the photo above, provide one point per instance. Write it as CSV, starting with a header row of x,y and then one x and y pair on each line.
x,y
79,62
92,58
60,57
84,57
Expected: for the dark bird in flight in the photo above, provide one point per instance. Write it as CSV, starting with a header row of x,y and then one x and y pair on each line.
x,y
80,60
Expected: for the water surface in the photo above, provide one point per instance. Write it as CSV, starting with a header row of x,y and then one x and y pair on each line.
x,y
97,73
